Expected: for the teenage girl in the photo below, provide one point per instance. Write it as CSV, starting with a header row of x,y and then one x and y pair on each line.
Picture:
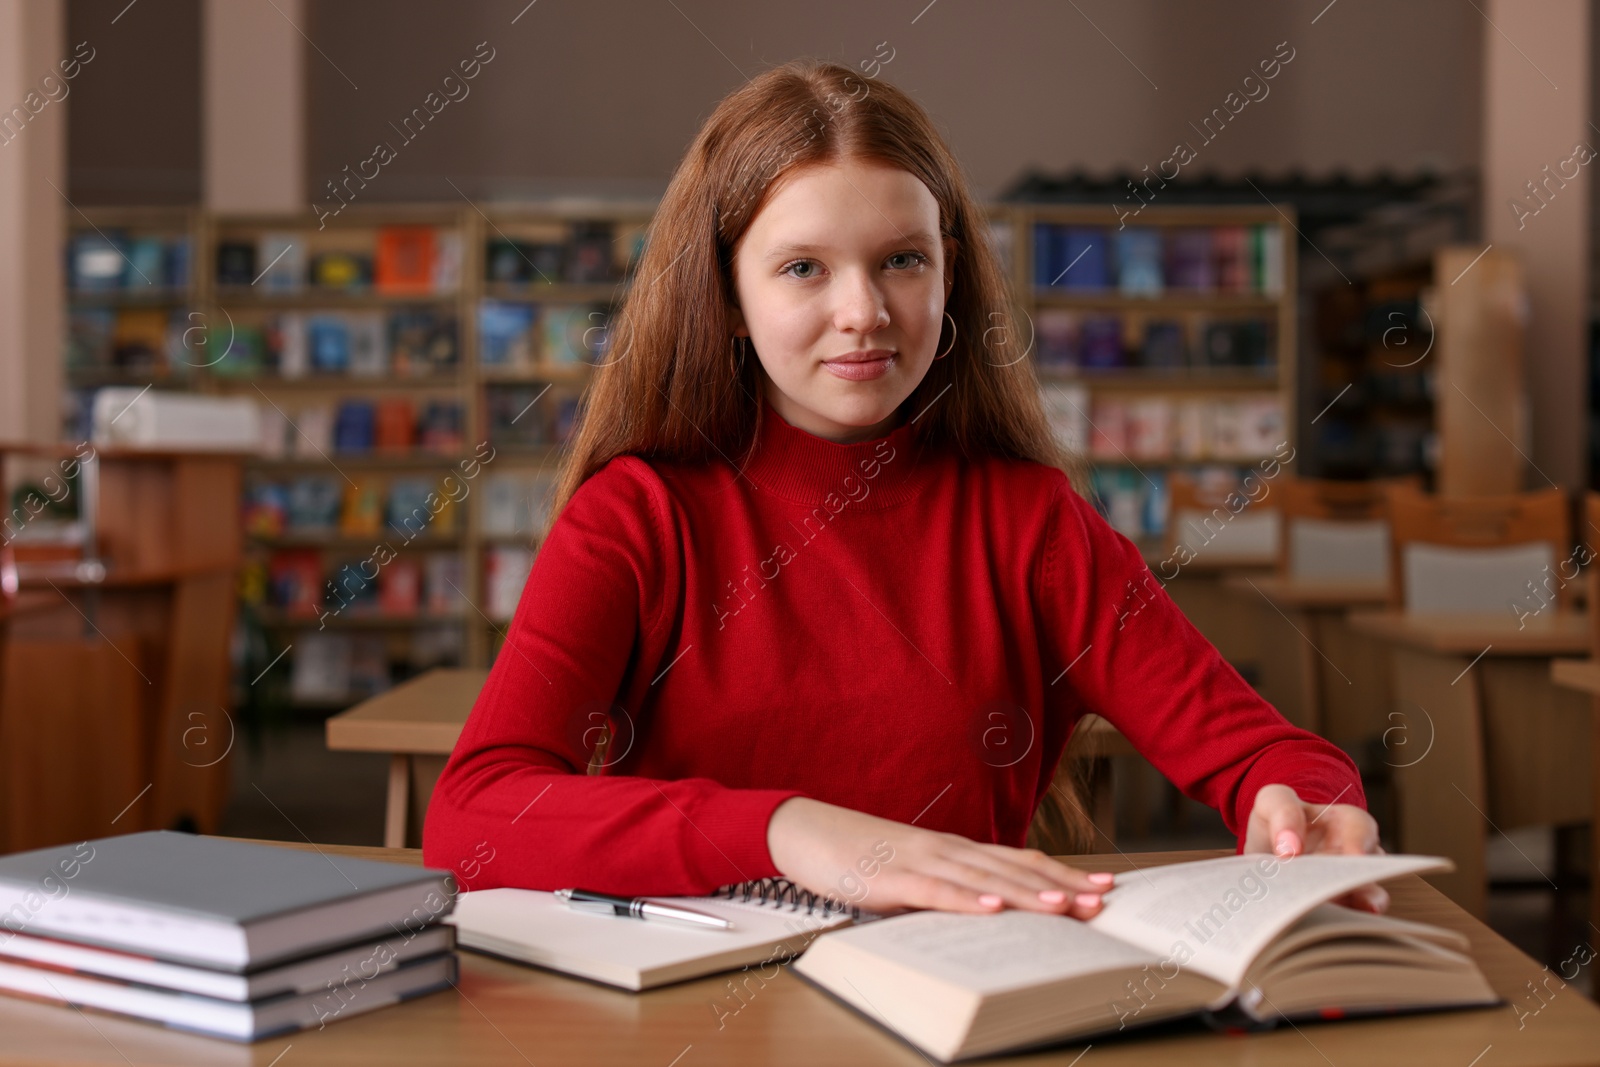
x,y
819,576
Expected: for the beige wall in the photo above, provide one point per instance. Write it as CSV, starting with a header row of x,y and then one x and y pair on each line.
x,y
613,92
32,183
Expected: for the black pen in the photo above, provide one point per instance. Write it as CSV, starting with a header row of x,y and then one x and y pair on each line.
x,y
639,908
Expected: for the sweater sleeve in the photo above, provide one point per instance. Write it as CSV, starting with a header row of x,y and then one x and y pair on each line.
x,y
1127,653
514,805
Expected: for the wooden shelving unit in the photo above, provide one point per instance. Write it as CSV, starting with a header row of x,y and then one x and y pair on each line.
x,y
487,391
1193,381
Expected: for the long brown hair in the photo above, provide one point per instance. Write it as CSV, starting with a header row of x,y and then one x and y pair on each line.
x,y
674,386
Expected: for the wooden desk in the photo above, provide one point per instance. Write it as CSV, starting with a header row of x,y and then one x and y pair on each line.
x,y
1311,660
1480,738
1583,675
417,724
504,1013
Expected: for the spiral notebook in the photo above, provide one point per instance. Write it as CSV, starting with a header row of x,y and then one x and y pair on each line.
x,y
774,920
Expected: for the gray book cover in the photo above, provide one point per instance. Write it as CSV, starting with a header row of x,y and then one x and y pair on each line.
x,y
204,877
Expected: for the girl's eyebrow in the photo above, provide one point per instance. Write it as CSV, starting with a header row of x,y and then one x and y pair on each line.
x,y
921,237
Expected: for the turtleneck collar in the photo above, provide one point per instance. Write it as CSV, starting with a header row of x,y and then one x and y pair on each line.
x,y
803,468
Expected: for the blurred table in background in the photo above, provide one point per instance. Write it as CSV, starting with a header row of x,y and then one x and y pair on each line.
x,y
1480,739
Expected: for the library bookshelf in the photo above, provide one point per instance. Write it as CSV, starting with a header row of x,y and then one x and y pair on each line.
x,y
491,319
1165,345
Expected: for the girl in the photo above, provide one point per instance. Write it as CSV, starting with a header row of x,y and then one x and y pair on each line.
x,y
817,573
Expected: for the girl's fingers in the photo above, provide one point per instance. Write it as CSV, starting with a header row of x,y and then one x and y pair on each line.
x,y
1062,876
997,884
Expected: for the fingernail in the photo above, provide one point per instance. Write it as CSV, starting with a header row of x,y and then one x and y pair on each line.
x,y
1285,843
1087,900
990,900
1102,878
1052,896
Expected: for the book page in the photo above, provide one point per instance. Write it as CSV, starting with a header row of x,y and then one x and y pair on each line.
x,y
1215,916
990,953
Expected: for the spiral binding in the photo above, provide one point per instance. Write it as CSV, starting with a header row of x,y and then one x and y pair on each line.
x,y
779,892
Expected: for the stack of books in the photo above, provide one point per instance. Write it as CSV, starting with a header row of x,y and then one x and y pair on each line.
x,y
221,937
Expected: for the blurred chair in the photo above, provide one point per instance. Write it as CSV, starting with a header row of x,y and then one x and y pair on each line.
x,y
1476,554
1220,521
1335,532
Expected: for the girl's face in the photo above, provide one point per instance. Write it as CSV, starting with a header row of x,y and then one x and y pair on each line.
x,y
843,263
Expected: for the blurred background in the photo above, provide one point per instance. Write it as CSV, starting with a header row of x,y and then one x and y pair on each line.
x,y
298,301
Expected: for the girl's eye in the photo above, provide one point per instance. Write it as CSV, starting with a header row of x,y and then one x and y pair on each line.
x,y
801,263
917,258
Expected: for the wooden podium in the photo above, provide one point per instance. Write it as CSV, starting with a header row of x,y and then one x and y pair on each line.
x,y
114,681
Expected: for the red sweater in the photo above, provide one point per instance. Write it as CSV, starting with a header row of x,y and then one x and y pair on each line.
x,y
875,625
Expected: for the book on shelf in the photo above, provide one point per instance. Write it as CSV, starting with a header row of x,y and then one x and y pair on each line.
x,y
96,263
1067,407
1189,264
573,334
396,428
236,262
505,572
404,261
320,667
355,425
444,585
1233,268
1139,252
506,334
368,346
294,582
227,938
400,588
1060,339
516,503
589,251
328,342
1149,428
1108,428
283,258
1102,343
1244,940
1165,345
362,512
422,342
315,501
266,509
342,270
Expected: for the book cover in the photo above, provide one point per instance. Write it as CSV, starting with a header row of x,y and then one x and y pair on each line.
x,y
368,352
404,261
1233,268
328,343
1060,339
1189,259
505,334
362,513
1139,260
354,426
400,588
294,581
396,425
1102,343
314,504
1085,258
283,258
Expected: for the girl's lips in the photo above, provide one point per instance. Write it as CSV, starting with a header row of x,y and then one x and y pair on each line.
x,y
863,371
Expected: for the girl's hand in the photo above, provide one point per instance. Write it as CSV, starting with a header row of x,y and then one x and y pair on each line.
x,y
830,849
1282,823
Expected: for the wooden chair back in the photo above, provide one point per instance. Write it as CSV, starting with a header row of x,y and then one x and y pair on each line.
x,y
1493,552
1223,521
1336,531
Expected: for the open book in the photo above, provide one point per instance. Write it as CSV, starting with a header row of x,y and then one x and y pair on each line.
x,y
773,920
1253,935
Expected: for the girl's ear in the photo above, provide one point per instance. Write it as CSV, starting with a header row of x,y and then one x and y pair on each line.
x,y
736,321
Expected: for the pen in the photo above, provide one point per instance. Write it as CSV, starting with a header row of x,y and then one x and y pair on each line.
x,y
639,908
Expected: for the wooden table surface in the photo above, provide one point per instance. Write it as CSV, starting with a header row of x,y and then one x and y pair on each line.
x,y
422,716
1580,674
1553,633
505,1013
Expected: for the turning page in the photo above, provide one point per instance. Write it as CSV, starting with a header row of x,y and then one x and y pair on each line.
x,y
1215,916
